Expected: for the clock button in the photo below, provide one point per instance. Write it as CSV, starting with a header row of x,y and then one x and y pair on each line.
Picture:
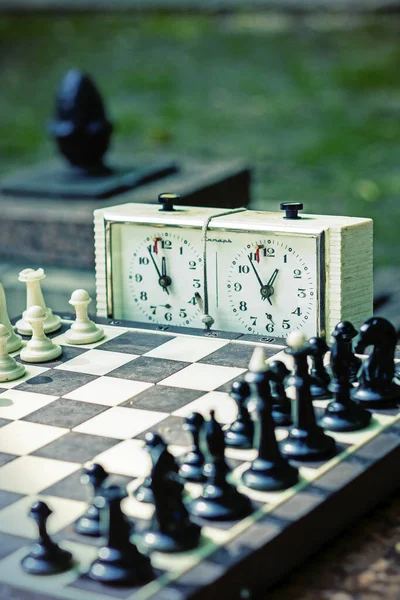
x,y
291,209
167,200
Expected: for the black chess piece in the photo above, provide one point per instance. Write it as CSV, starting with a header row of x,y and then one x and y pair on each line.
x,y
45,557
319,375
270,470
241,432
377,388
89,523
171,529
220,500
119,562
193,462
306,440
144,493
343,414
355,361
281,405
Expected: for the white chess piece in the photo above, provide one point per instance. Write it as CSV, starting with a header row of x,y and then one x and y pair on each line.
x,y
83,330
34,297
14,341
39,348
9,368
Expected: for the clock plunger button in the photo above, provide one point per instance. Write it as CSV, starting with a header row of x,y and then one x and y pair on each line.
x,y
291,209
167,200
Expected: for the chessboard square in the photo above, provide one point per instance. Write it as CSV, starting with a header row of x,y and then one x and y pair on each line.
x,y
65,413
8,544
14,519
171,430
163,398
31,372
32,474
16,404
188,349
126,458
110,334
120,423
68,353
202,377
7,498
225,407
135,342
6,458
4,422
21,437
148,369
109,391
55,382
96,362
231,355
76,447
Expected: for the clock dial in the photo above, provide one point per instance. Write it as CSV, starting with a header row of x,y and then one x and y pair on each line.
x,y
164,273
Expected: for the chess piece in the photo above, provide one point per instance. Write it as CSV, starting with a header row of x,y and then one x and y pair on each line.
x,y
9,368
281,405
193,462
320,379
89,523
220,500
171,529
14,341
376,386
269,471
34,297
39,348
119,562
144,493
306,440
241,432
45,557
83,330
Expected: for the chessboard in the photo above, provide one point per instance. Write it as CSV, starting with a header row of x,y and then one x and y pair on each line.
x,y
96,403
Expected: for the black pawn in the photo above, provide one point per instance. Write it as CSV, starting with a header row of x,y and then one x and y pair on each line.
x,y
241,432
45,557
306,440
144,492
319,375
281,405
343,414
80,126
220,500
171,529
270,470
119,562
89,523
193,462
355,362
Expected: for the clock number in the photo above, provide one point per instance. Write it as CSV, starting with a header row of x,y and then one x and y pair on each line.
x,y
192,264
243,305
253,321
181,250
285,324
297,311
143,295
301,293
138,278
297,274
270,327
153,309
166,244
196,283
244,269
192,301
237,287
168,316
143,260
285,258
183,313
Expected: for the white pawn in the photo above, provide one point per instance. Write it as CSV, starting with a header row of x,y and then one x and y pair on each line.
x,y
34,297
14,341
83,330
39,348
9,368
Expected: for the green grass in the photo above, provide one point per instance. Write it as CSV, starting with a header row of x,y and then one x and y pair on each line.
x,y
317,112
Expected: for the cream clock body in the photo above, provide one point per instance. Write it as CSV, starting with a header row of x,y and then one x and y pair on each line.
x,y
242,271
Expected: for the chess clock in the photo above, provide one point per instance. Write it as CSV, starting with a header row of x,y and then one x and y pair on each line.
x,y
242,271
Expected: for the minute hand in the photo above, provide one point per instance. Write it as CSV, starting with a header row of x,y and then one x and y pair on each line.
x,y
255,271
273,277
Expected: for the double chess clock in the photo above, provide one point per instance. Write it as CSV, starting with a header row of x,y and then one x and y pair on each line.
x,y
241,271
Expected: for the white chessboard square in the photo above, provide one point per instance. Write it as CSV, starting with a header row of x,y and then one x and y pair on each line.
x,y
96,362
16,404
225,407
14,518
121,423
108,391
30,371
200,376
188,349
109,334
32,474
22,437
127,458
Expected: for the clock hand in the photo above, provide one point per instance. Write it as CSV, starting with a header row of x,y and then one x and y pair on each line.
x,y
264,289
163,278
273,277
270,283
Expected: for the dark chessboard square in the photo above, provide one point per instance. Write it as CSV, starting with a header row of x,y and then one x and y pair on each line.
x,y
6,458
65,413
68,353
171,429
55,383
8,592
4,422
76,447
227,387
10,543
98,589
7,498
231,355
163,398
148,369
70,487
135,342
